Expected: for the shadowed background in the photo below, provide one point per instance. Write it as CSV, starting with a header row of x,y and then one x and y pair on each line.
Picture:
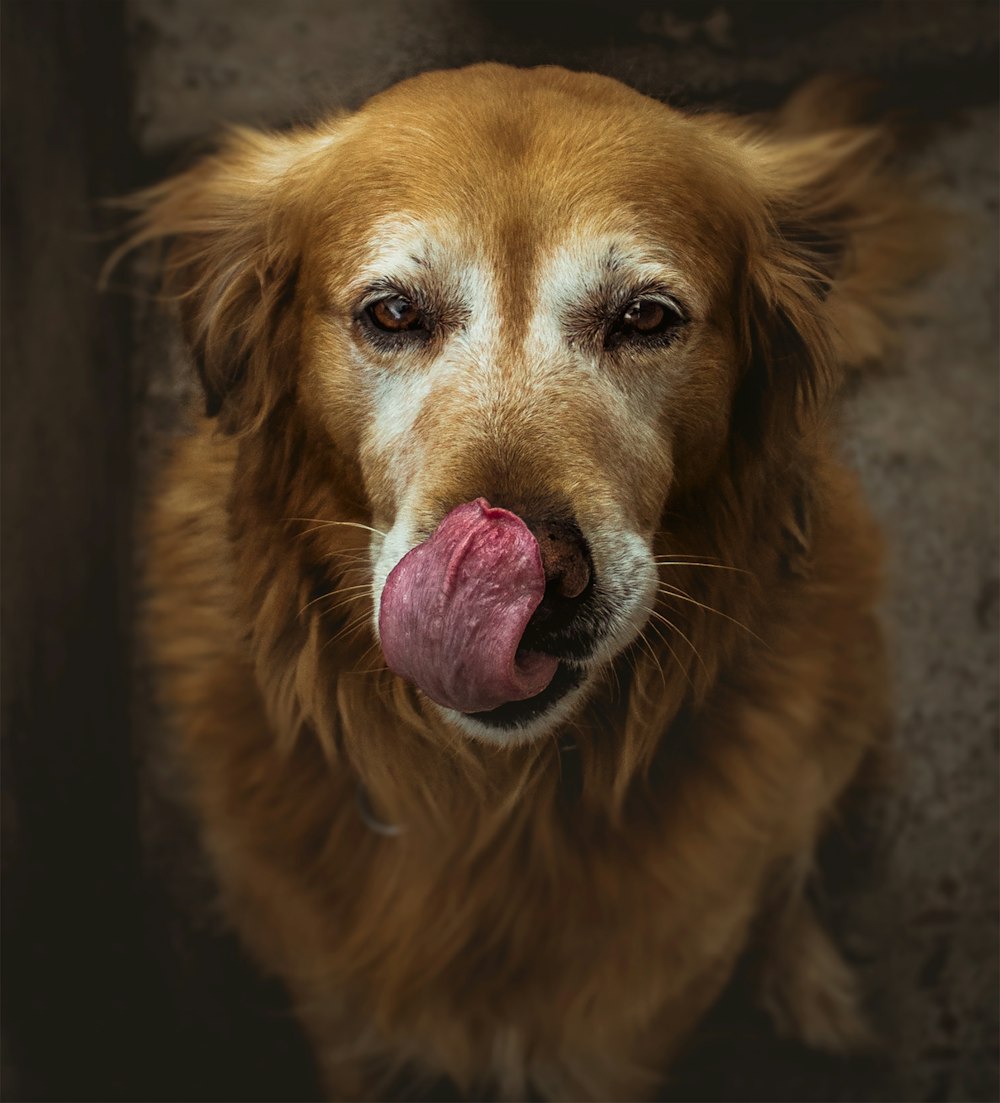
x,y
116,984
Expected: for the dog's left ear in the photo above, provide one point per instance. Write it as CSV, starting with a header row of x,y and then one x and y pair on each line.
x,y
840,239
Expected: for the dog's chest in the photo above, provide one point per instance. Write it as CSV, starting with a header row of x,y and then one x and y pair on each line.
x,y
505,967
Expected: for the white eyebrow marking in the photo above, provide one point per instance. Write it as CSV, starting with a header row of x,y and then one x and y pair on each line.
x,y
398,248
406,250
578,266
586,263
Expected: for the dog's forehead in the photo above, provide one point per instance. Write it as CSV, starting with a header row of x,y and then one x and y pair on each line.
x,y
512,168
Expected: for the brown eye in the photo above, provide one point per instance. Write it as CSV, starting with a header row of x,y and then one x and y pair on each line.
x,y
645,318
644,315
396,314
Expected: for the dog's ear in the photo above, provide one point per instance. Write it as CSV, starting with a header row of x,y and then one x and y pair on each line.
x,y
840,241
233,252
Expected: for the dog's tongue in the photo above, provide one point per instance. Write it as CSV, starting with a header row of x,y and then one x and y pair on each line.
x,y
454,610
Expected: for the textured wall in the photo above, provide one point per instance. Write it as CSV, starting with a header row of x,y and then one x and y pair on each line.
x,y
923,431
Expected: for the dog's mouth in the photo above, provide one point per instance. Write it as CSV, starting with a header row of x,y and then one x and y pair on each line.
x,y
520,714
566,631
489,619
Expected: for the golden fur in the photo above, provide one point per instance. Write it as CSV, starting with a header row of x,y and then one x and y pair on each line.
x,y
555,917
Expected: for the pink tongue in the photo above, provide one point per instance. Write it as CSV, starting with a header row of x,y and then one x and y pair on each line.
x,y
454,610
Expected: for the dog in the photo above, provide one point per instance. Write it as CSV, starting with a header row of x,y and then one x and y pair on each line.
x,y
516,615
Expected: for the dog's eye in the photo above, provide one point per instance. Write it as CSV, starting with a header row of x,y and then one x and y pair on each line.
x,y
396,314
646,318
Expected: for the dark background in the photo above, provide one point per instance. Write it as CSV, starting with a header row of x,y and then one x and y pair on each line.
x,y
111,989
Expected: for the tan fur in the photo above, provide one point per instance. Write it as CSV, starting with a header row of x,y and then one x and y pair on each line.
x,y
551,920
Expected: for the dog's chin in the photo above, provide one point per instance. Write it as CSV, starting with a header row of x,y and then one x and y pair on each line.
x,y
524,721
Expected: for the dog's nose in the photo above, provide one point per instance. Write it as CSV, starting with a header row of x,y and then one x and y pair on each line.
x,y
565,558
568,583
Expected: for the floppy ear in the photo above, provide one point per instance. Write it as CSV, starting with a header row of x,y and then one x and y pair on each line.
x,y
841,241
232,264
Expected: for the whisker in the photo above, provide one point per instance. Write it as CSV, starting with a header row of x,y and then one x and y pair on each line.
x,y
666,642
346,601
351,625
359,668
656,661
686,555
692,563
372,651
673,627
333,593
321,524
368,672
672,591
354,561
618,681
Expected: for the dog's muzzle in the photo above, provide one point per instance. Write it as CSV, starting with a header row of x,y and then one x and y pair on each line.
x,y
478,616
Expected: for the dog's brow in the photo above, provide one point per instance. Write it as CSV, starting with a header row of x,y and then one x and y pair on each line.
x,y
613,259
587,266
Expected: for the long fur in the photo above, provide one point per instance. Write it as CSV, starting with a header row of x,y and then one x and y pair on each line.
x,y
552,917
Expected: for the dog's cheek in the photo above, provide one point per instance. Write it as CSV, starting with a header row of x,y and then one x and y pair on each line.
x,y
645,474
616,457
329,386
634,452
696,413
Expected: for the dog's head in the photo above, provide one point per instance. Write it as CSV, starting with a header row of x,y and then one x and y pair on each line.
x,y
526,310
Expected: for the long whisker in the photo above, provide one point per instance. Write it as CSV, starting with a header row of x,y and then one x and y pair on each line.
x,y
358,669
371,650
656,661
320,523
673,627
672,591
618,681
687,555
666,642
351,625
334,593
346,601
354,560
692,563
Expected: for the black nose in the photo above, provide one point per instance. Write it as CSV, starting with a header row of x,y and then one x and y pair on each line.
x,y
568,583
565,557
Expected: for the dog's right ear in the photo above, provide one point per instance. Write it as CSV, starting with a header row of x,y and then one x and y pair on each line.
x,y
233,252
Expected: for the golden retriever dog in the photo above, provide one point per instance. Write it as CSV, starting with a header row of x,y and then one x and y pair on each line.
x,y
516,614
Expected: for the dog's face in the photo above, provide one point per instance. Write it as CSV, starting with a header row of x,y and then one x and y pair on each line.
x,y
530,308
518,303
